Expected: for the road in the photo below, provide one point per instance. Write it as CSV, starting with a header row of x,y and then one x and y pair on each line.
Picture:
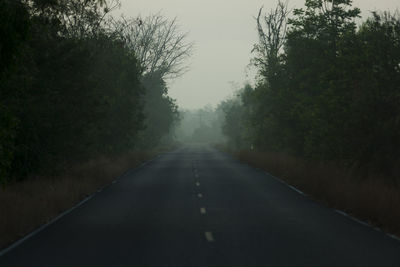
x,y
199,207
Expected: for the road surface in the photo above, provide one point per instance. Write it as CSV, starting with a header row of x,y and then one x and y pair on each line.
x,y
200,207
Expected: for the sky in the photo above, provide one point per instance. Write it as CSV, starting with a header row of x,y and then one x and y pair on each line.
x,y
224,32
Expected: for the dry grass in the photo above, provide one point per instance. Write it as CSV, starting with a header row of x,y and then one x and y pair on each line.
x,y
26,205
369,199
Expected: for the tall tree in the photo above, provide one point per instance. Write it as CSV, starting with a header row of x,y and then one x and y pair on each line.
x,y
158,43
162,50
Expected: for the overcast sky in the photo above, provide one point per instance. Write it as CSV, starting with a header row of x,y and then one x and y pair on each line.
x,y
224,34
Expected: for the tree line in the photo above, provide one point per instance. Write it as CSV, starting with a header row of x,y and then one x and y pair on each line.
x,y
328,88
76,83
200,126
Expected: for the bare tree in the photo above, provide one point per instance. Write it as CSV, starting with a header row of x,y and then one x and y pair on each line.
x,y
272,29
158,44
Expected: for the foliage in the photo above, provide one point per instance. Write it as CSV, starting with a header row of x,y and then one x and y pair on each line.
x,y
160,110
161,49
332,92
72,87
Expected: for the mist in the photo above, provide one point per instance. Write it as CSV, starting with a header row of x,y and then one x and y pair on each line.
x,y
202,125
162,114
224,33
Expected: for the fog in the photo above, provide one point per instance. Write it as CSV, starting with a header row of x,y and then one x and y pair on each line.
x,y
129,121
224,34
200,126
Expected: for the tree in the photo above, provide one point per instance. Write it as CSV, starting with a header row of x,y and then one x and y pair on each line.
x,y
373,59
158,43
325,20
316,85
73,92
162,50
272,29
14,29
238,117
265,103
160,110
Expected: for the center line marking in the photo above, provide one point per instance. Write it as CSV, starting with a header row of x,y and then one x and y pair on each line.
x,y
197,184
203,210
200,195
209,236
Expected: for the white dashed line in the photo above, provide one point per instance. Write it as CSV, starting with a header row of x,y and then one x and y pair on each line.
x,y
209,236
200,195
197,184
114,182
203,210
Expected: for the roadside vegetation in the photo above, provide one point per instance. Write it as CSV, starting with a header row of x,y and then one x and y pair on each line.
x,y
26,205
324,113
83,98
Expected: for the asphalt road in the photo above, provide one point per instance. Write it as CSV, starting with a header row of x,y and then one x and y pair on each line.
x,y
199,207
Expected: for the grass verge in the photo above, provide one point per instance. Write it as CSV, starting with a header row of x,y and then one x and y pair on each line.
x,y
26,205
370,199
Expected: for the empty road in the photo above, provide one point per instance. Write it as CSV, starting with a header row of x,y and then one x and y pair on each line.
x,y
199,207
